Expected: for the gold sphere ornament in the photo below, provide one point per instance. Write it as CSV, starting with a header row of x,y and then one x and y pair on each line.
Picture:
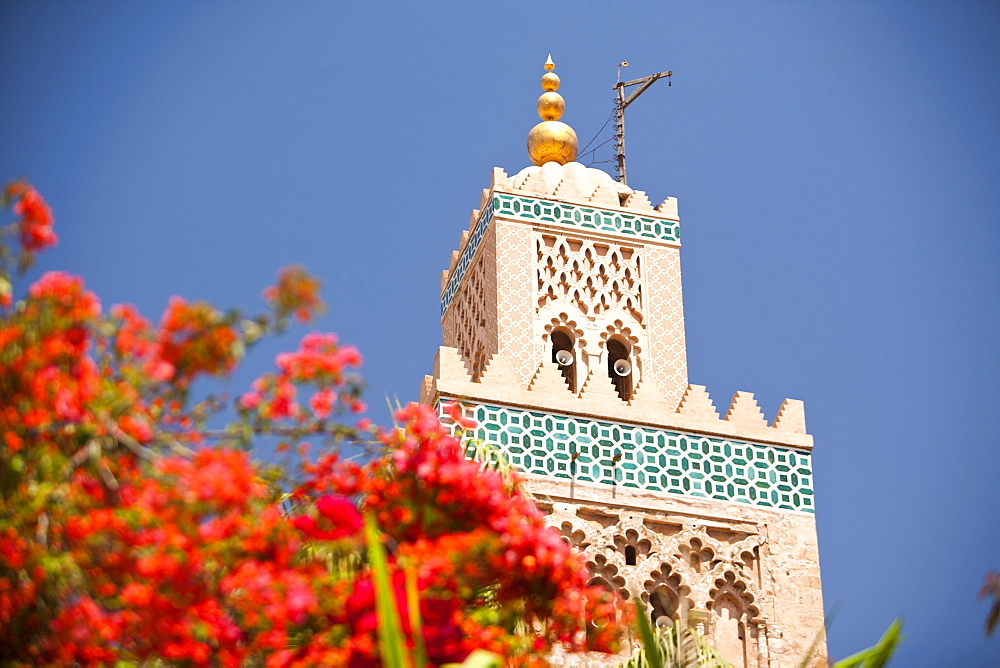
x,y
552,141
551,106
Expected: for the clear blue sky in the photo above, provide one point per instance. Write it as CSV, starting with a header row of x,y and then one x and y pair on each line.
x,y
837,167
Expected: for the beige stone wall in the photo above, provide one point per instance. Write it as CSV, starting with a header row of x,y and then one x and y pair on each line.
x,y
515,292
667,367
748,578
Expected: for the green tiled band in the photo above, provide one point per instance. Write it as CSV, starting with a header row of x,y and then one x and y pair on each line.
x,y
611,453
585,217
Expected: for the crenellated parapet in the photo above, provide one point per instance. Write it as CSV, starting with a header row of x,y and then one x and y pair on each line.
x,y
594,437
696,412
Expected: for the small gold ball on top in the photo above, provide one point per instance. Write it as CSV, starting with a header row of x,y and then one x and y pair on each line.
x,y
551,140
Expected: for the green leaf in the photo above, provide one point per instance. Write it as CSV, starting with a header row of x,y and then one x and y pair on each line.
x,y
392,644
650,643
413,609
879,654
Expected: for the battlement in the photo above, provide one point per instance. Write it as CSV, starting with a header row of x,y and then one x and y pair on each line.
x,y
573,182
593,437
548,390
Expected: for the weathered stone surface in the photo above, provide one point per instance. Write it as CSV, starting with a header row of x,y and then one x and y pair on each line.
x,y
723,558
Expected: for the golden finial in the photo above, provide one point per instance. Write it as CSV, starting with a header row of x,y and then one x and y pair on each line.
x,y
551,140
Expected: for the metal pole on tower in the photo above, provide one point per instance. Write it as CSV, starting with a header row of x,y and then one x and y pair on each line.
x,y
621,103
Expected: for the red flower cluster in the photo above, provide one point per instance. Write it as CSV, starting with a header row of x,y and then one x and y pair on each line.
x,y
337,518
463,530
296,293
320,361
35,217
46,375
115,548
196,338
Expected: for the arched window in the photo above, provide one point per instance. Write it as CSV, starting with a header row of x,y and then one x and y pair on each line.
x,y
665,606
630,555
620,368
730,631
564,356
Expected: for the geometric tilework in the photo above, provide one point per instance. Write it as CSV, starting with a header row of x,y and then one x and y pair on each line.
x,y
530,208
463,262
612,453
587,217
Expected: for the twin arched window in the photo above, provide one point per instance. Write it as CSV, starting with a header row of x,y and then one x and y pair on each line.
x,y
619,365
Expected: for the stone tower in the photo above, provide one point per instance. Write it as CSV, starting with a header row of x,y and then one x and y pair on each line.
x,y
564,339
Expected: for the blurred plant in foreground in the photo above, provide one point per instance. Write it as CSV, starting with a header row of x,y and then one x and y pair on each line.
x,y
991,589
131,532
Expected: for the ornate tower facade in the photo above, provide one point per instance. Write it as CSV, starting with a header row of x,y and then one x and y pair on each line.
x,y
564,339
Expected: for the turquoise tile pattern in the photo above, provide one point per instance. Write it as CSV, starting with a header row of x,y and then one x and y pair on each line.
x,y
587,217
530,208
647,458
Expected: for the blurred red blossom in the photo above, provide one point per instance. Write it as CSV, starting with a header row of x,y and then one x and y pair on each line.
x,y
35,224
295,294
132,532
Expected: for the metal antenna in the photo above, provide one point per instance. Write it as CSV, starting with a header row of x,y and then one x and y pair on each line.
x,y
621,102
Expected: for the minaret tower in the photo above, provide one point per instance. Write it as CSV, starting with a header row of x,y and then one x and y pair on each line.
x,y
564,339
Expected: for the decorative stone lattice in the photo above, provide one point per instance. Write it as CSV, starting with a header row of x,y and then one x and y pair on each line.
x,y
730,586
667,368
530,208
514,294
465,259
683,571
611,453
595,276
664,581
470,325
606,573
585,217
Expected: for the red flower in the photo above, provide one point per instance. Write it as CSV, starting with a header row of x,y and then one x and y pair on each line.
x,y
297,293
36,218
345,517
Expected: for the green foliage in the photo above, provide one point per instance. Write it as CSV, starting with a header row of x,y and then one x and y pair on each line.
x,y
651,654
392,644
879,654
677,646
